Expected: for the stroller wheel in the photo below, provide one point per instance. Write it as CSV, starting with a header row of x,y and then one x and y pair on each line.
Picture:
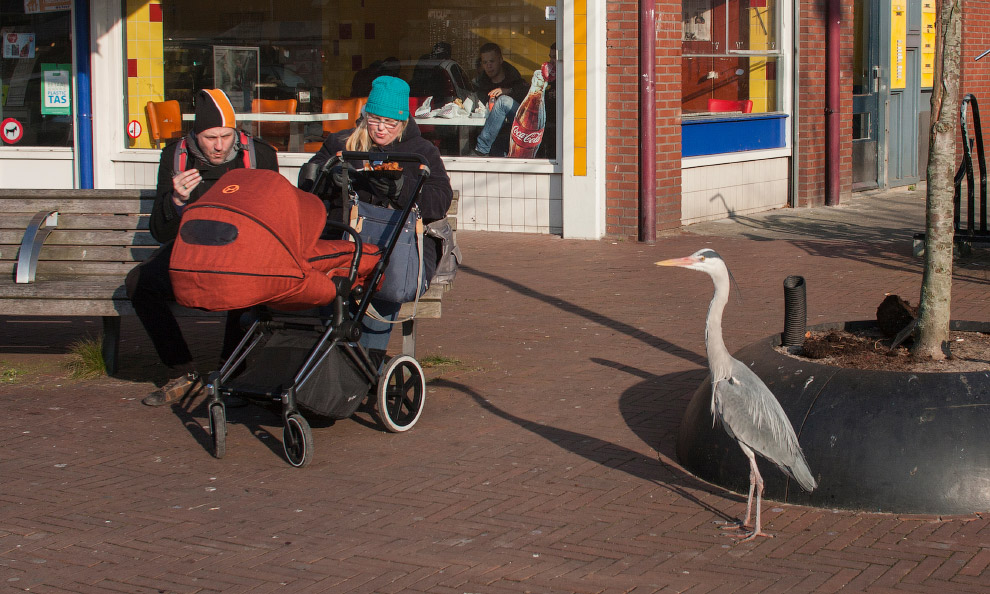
x,y
297,439
401,393
218,430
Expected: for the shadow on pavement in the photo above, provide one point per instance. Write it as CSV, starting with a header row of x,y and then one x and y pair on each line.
x,y
605,453
593,316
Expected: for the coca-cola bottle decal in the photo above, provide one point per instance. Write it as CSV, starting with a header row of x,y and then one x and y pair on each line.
x,y
531,118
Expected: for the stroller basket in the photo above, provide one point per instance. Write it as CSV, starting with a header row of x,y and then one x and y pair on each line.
x,y
333,386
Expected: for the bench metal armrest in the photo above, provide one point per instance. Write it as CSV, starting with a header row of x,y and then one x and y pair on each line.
x,y
34,237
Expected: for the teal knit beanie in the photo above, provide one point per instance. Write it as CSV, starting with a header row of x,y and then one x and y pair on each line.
x,y
389,98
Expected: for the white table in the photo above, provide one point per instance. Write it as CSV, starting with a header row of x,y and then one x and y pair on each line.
x,y
464,124
297,120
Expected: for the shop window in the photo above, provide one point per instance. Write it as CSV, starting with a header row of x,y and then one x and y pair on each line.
x,y
323,52
35,75
731,53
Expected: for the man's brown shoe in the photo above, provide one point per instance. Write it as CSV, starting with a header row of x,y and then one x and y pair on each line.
x,y
188,384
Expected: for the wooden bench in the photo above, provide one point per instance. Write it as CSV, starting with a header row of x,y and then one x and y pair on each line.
x,y
66,253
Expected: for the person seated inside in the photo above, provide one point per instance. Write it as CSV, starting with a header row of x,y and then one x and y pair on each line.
x,y
505,89
429,79
387,127
188,168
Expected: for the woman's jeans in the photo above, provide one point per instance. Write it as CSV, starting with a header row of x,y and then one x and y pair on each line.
x,y
504,110
375,334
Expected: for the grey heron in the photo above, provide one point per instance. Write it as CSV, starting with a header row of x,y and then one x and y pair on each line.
x,y
741,402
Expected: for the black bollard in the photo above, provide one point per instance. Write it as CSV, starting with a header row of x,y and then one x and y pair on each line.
x,y
795,311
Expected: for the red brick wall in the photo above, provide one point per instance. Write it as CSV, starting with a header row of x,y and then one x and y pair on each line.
x,y
622,152
976,40
622,105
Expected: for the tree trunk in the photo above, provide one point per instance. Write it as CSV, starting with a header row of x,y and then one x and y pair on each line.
x,y
936,286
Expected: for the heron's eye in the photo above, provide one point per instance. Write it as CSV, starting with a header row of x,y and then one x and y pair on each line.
x,y
702,258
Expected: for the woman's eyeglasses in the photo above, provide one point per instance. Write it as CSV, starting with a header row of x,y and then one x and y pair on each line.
x,y
387,123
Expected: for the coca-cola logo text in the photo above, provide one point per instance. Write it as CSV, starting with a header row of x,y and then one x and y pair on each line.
x,y
525,137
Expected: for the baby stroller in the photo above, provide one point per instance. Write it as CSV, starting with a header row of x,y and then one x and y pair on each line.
x,y
308,297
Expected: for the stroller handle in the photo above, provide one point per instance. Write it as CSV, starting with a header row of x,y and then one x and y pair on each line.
x,y
397,157
358,248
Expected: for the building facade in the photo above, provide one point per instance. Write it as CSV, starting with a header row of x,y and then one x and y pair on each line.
x,y
758,104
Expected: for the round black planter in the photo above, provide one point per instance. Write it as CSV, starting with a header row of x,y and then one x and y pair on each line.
x,y
881,441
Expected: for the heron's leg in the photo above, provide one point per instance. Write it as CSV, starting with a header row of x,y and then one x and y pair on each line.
x,y
753,473
756,481
749,499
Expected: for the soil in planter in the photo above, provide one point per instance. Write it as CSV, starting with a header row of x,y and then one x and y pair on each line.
x,y
870,349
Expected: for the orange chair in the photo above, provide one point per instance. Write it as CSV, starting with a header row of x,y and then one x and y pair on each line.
x,y
352,106
164,121
743,105
274,133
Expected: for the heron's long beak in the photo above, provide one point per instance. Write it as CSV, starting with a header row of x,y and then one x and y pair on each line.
x,y
683,262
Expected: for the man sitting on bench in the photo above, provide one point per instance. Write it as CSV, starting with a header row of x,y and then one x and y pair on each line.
x,y
188,168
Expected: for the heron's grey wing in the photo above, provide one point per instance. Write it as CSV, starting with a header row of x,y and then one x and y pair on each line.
x,y
750,411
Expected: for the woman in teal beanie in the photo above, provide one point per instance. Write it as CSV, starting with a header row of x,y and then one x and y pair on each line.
x,y
386,126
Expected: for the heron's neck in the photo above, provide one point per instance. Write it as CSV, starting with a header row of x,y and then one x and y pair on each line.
x,y
719,359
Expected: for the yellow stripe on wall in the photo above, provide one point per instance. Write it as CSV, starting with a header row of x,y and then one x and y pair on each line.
x,y
580,68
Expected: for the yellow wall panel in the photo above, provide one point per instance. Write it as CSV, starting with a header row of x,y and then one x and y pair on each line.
x,y
581,134
581,77
580,161
580,103
580,29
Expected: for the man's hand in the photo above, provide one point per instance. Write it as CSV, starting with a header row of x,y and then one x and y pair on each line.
x,y
183,184
495,93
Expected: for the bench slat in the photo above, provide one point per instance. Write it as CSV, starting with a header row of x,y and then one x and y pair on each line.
x,y
129,194
19,221
125,254
75,205
67,307
71,267
86,238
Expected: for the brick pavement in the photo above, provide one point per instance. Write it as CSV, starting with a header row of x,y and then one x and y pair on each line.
x,y
544,461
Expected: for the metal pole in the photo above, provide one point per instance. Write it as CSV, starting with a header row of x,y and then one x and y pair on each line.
x,y
83,94
647,122
832,138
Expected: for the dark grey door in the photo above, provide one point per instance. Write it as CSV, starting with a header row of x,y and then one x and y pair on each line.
x,y
869,85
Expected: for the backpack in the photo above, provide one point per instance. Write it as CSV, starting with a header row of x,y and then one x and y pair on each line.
x,y
182,152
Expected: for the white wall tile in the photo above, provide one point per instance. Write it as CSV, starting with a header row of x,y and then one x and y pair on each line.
x,y
530,182
543,189
491,185
532,219
494,213
517,183
518,211
504,212
505,184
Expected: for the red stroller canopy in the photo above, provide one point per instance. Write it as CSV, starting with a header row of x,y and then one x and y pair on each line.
x,y
254,238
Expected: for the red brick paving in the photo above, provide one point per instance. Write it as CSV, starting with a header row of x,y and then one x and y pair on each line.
x,y
544,461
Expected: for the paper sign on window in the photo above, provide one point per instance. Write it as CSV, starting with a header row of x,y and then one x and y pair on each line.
x,y
697,19
18,45
56,95
35,6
